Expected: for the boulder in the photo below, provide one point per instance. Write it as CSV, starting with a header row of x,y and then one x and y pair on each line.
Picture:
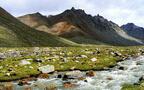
x,y
90,73
74,74
68,85
47,69
23,82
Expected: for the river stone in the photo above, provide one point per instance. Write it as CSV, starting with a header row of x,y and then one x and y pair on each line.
x,y
90,73
74,74
47,69
68,85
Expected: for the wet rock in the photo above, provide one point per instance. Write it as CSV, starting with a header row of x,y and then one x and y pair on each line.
x,y
85,81
65,77
121,68
8,86
59,76
68,85
81,78
74,74
47,69
90,73
23,82
109,78
141,78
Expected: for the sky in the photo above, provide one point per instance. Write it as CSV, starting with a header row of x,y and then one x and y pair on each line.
x,y
118,11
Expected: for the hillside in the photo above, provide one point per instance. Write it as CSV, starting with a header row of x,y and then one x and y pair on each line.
x,y
76,25
14,33
133,30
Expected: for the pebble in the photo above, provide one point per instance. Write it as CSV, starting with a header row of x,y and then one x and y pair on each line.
x,y
94,59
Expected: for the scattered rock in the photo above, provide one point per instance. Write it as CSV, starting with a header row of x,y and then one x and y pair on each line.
x,y
68,85
116,53
121,68
90,73
84,56
94,59
81,78
47,69
74,74
109,78
23,82
59,76
65,77
85,81
24,62
141,78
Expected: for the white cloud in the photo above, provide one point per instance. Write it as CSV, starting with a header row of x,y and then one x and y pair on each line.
x,y
119,11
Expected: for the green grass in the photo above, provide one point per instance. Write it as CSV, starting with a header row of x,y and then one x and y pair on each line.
x,y
104,59
134,87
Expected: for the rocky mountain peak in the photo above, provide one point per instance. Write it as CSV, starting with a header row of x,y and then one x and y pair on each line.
x,y
133,30
129,26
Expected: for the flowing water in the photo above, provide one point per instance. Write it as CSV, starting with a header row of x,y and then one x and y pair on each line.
x,y
126,72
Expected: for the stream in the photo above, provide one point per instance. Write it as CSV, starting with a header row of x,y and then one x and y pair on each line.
x,y
126,72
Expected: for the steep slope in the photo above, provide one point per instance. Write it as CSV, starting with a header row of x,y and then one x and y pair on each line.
x,y
76,25
133,30
15,33
62,29
97,27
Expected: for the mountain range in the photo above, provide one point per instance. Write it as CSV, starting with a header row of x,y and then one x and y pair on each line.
x,y
69,28
134,30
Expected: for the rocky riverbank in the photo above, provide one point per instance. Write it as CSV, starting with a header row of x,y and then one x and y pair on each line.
x,y
34,64
129,71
